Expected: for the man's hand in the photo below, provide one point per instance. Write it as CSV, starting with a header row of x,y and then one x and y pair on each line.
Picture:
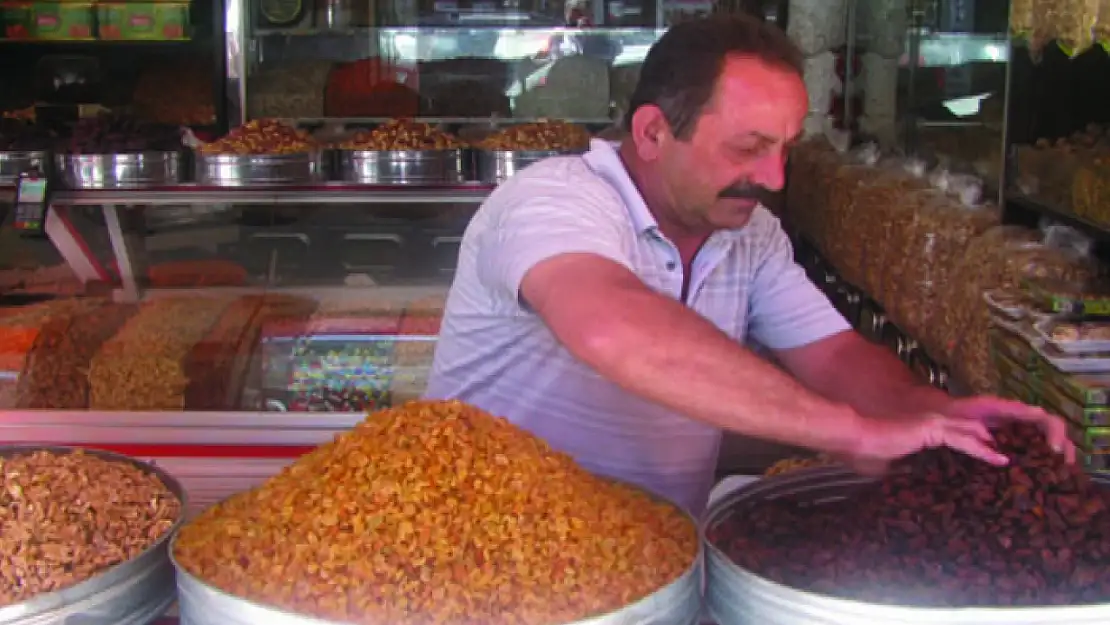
x,y
963,425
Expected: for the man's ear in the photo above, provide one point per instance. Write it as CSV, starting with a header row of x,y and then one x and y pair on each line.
x,y
650,131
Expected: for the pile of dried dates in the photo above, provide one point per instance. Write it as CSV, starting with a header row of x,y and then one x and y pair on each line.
x,y
947,531
120,134
18,136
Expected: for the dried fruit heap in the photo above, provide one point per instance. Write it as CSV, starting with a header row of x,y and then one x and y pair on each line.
x,y
64,517
436,512
950,532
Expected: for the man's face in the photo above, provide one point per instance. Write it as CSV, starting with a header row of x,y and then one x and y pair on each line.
x,y
738,146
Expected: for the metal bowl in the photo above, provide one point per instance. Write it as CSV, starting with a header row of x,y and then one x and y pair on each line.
x,y
244,170
677,603
120,171
497,166
403,166
14,163
135,592
737,596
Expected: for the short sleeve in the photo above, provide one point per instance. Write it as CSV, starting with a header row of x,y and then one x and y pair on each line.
x,y
538,220
786,309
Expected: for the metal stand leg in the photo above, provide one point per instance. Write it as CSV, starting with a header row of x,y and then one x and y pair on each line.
x,y
128,254
73,247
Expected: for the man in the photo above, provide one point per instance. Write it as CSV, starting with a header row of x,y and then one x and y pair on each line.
x,y
602,301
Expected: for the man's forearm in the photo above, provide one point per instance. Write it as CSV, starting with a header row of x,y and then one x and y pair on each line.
x,y
873,381
660,350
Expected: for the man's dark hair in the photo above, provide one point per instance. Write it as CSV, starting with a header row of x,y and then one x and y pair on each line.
x,y
681,69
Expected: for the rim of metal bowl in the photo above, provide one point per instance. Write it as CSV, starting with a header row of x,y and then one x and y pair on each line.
x,y
694,568
528,153
716,556
444,153
311,155
61,597
11,155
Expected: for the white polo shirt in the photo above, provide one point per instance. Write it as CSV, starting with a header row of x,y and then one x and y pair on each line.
x,y
496,354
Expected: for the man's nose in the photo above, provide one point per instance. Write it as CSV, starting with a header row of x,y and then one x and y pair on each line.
x,y
769,171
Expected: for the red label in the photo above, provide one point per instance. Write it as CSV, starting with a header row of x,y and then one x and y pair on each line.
x,y
141,21
49,21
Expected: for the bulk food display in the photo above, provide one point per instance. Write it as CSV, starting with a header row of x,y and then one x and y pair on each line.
x,y
924,246
85,536
946,531
436,512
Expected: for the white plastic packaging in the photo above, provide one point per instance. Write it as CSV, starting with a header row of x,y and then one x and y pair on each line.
x,y
816,25
879,82
884,24
821,82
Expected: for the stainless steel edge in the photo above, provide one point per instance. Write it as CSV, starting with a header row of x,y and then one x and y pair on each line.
x,y
677,603
143,567
404,167
120,171
496,166
325,193
736,596
246,170
14,163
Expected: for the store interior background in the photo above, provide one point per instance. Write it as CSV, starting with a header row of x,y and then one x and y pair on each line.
x,y
955,51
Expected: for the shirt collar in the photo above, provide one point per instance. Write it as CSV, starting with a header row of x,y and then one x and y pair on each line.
x,y
604,161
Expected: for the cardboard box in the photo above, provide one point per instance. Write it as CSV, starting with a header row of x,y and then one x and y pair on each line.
x,y
143,21
64,21
18,20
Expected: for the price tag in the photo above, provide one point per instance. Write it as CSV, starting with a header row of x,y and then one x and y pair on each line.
x,y
30,202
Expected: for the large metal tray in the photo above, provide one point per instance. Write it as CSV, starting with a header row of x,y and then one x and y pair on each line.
x,y
497,166
737,596
14,163
131,593
403,166
120,171
677,603
245,170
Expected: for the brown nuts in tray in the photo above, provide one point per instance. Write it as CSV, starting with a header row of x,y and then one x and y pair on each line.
x,y
951,531
402,134
67,516
538,136
262,137
1067,332
437,512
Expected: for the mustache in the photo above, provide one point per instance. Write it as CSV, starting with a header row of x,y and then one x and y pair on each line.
x,y
744,191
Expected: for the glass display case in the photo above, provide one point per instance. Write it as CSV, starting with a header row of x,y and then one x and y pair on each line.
x,y
574,60
928,77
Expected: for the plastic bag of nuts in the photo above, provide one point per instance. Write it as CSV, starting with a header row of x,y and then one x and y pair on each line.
x,y
884,204
1001,258
1075,23
962,222
1102,24
804,199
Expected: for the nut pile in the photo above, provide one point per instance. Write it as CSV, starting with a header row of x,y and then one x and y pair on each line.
x,y
262,136
436,512
143,366
52,377
67,516
951,531
539,136
402,134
